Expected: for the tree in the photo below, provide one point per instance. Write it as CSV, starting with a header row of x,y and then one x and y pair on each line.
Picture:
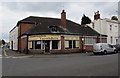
x,y
3,42
0,42
85,20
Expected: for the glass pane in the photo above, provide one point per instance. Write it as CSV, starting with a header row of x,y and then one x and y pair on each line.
x,y
77,44
66,44
30,45
37,44
55,44
70,44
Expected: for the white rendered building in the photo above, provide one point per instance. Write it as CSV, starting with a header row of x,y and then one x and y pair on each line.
x,y
119,24
119,35
107,27
13,38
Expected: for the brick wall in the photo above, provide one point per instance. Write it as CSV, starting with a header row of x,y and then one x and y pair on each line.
x,y
88,47
63,19
36,51
62,43
23,27
23,45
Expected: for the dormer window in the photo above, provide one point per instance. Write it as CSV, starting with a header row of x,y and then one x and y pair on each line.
x,y
53,28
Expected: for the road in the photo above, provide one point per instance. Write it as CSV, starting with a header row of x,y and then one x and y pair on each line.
x,y
62,65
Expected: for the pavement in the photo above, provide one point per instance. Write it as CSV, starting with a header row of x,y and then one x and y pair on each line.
x,y
15,54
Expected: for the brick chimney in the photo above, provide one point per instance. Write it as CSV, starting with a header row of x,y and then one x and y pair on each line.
x,y
96,15
63,19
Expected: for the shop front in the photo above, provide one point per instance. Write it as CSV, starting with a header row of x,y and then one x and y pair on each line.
x,y
44,43
53,43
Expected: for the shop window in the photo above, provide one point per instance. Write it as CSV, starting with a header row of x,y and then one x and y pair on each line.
x,y
55,44
30,45
66,44
37,44
89,40
75,44
71,44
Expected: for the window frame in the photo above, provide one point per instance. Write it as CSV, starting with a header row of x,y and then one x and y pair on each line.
x,y
57,45
35,42
72,44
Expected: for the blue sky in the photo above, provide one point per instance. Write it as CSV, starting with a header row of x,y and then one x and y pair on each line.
x,y
13,11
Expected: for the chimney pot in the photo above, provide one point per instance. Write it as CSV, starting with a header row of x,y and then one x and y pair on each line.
x,y
96,15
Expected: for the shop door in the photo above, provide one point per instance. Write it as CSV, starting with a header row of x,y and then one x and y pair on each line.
x,y
47,46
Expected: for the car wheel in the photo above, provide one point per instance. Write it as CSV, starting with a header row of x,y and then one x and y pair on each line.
x,y
105,52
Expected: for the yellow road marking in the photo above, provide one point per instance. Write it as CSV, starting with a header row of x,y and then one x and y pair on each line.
x,y
5,53
22,56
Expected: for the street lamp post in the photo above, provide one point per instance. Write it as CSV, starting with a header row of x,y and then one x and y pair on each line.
x,y
82,44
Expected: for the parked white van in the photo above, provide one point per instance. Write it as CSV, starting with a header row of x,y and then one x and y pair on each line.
x,y
103,48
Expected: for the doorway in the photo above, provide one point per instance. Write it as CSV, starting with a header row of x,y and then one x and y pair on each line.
x,y
47,46
11,45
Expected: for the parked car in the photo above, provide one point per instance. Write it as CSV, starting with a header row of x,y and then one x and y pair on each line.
x,y
103,48
117,47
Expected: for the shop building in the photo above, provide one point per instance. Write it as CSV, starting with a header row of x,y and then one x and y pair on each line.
x,y
54,35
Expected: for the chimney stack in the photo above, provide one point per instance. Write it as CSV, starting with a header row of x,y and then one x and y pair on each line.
x,y
97,15
63,19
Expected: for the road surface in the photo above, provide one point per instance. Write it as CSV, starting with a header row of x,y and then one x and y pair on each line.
x,y
62,65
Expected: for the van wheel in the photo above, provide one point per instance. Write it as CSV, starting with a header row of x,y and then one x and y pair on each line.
x,y
105,52
115,51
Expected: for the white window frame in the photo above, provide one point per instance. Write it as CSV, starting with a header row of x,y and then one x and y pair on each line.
x,y
93,40
59,44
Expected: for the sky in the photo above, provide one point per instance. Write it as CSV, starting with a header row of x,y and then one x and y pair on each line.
x,y
13,11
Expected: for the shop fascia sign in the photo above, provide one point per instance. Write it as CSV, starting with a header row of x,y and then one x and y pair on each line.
x,y
44,37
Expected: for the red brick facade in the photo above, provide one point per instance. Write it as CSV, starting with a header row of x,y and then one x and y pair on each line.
x,y
24,44
23,27
63,19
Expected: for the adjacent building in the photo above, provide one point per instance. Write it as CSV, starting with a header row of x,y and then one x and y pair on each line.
x,y
109,27
54,35
119,35
119,24
13,38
